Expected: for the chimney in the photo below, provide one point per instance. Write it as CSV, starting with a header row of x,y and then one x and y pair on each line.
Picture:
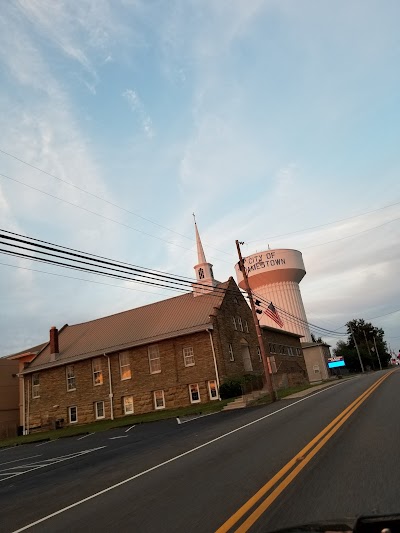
x,y
53,343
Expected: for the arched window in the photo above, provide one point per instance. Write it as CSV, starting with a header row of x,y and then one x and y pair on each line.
x,y
201,273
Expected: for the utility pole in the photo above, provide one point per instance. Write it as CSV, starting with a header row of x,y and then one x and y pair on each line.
x,y
358,351
377,353
369,351
257,325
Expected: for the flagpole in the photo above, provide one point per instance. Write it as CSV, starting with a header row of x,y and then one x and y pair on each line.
x,y
257,325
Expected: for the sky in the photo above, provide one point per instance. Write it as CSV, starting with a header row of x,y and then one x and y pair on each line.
x,y
276,122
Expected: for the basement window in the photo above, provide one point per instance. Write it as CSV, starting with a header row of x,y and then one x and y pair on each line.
x,y
213,390
194,393
128,405
159,400
99,410
73,414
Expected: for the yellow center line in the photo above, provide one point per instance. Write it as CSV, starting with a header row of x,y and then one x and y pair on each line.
x,y
318,442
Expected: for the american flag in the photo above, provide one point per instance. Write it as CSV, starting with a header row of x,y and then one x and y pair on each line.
x,y
273,314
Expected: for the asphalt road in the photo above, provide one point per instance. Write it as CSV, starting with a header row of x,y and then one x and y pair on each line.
x,y
193,477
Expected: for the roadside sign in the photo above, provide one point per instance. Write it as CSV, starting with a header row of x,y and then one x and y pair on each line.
x,y
334,362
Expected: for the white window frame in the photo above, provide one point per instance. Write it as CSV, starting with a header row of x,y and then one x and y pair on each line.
x,y
234,322
70,414
129,402
96,410
70,378
157,407
246,326
231,354
210,389
124,365
196,385
35,385
298,351
188,356
154,360
97,371
239,319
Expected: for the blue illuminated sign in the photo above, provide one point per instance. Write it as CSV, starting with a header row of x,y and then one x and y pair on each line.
x,y
335,364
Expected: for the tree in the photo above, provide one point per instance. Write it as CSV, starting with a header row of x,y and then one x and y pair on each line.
x,y
364,333
314,339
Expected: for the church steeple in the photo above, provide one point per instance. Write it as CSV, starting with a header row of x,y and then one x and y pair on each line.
x,y
204,272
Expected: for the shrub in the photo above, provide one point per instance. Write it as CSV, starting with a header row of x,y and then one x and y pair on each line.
x,y
230,389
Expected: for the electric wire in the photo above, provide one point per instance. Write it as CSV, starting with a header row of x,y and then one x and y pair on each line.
x,y
292,318
80,279
141,275
266,239
103,216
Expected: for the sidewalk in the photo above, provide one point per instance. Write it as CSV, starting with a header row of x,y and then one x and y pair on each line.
x,y
314,388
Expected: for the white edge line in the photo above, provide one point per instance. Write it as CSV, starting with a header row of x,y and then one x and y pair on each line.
x,y
23,459
178,419
84,436
118,437
55,461
197,417
126,431
47,442
144,472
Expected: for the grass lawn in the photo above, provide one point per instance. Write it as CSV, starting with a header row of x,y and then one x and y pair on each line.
x,y
103,425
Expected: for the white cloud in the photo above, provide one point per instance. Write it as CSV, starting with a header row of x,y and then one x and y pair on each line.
x,y
137,107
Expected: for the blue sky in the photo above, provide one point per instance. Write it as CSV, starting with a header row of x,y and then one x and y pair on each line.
x,y
262,117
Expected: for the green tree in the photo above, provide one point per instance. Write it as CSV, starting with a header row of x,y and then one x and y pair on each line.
x,y
364,333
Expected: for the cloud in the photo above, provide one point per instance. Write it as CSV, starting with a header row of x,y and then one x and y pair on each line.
x,y
137,107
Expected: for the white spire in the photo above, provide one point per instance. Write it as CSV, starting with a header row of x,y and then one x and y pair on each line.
x,y
201,258
205,281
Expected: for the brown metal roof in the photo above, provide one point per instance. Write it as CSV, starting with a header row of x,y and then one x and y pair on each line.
x,y
33,350
165,319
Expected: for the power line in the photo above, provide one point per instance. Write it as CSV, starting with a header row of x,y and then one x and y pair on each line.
x,y
296,320
81,279
93,195
353,234
91,264
89,254
387,314
323,225
167,280
102,216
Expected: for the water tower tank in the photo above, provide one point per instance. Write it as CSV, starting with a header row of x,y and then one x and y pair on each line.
x,y
275,276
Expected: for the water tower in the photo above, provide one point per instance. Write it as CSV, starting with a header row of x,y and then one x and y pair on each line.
x,y
275,276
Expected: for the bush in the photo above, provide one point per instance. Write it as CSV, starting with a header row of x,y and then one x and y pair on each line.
x,y
230,389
